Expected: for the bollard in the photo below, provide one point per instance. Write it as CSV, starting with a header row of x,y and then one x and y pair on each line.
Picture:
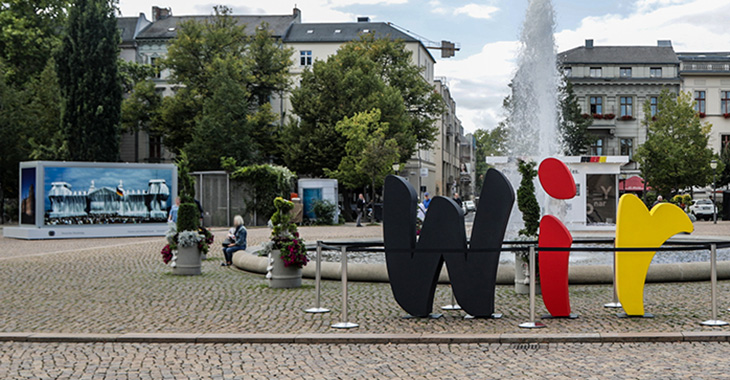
x,y
615,303
532,324
713,279
344,324
317,281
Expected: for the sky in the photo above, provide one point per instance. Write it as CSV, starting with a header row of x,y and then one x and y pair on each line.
x,y
488,33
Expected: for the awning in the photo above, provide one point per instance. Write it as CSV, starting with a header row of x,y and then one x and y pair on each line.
x,y
634,183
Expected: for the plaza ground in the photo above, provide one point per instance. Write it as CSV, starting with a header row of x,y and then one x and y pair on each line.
x,y
74,302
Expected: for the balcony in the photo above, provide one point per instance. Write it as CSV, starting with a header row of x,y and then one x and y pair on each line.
x,y
705,67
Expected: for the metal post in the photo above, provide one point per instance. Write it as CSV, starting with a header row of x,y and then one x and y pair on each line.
x,y
532,324
615,303
714,196
453,305
713,279
344,324
317,281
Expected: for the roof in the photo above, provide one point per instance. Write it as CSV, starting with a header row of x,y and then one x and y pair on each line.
x,y
167,28
127,27
704,57
343,32
619,55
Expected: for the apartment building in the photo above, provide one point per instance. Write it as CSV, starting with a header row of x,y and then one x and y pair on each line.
x,y
442,169
612,84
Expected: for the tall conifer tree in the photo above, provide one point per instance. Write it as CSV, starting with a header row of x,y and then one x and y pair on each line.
x,y
90,84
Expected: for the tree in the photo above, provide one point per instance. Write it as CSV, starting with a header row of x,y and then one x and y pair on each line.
x,y
723,178
365,75
489,143
11,141
573,126
526,200
89,80
29,32
42,116
370,155
675,155
229,78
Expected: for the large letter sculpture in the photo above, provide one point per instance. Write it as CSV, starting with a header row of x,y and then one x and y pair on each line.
x,y
558,182
636,227
414,266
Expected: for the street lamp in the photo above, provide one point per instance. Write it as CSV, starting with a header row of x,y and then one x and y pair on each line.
x,y
713,165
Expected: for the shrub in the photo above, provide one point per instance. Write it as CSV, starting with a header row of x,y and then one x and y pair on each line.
x,y
324,211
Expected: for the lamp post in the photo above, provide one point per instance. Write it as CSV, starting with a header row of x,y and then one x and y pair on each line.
x,y
713,165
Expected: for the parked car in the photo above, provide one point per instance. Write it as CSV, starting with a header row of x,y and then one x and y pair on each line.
x,y
469,206
702,209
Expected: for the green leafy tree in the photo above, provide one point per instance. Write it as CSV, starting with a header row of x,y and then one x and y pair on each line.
x,y
42,116
229,78
675,155
723,178
90,83
29,32
526,200
266,181
368,74
573,126
369,154
489,143
11,141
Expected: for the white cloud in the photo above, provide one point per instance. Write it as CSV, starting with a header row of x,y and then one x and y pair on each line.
x,y
479,82
476,11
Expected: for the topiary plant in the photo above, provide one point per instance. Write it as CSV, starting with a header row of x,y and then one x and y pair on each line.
x,y
188,214
526,201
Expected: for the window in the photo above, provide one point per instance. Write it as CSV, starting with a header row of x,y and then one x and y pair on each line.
x,y
568,71
700,101
725,102
653,105
155,145
724,142
597,147
305,58
655,72
595,72
627,147
155,63
625,72
596,105
626,103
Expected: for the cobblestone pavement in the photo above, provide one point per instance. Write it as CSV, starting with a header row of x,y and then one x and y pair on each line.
x,y
114,286
317,361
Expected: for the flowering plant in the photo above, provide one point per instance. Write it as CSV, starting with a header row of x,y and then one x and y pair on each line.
x,y
293,251
202,238
609,116
285,237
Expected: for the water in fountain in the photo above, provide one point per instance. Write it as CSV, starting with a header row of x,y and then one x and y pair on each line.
x,y
533,120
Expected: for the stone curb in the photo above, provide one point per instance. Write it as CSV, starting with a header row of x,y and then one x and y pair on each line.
x,y
355,338
577,274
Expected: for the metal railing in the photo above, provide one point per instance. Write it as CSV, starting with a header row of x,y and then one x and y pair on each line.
x,y
513,246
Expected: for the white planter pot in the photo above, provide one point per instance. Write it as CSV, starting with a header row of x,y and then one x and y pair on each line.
x,y
187,262
522,277
280,276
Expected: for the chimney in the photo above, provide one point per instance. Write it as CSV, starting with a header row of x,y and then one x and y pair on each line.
x,y
589,44
363,19
297,15
160,13
664,43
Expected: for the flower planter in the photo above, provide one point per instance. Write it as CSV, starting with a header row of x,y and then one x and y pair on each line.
x,y
187,261
522,276
280,276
